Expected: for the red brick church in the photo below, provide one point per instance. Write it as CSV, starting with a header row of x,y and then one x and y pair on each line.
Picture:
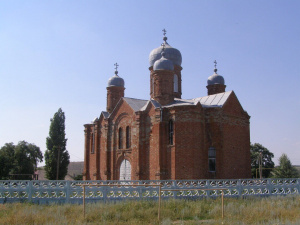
x,y
168,137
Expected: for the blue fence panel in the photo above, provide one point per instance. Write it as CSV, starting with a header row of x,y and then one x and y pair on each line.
x,y
60,191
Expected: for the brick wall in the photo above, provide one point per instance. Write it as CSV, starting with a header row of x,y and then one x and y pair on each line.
x,y
196,129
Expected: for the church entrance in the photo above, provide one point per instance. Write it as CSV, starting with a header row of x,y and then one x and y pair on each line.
x,y
125,170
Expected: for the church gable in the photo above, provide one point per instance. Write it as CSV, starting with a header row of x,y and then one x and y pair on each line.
x,y
103,116
135,104
128,105
151,105
121,108
232,106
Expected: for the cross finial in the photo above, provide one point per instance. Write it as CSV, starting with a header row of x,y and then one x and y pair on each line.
x,y
116,68
165,38
215,70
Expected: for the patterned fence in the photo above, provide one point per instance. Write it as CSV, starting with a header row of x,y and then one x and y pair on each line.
x,y
44,192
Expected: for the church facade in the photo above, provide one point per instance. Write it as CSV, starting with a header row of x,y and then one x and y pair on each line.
x,y
168,137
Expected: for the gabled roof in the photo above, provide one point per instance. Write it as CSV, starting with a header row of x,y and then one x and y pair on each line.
x,y
210,101
154,103
105,114
135,104
217,100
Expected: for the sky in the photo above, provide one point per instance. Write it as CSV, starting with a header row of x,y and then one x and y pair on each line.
x,y
60,54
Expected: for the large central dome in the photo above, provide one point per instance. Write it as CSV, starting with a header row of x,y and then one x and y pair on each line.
x,y
171,53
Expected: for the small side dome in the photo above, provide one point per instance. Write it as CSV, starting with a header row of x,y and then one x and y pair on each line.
x,y
163,64
116,81
215,79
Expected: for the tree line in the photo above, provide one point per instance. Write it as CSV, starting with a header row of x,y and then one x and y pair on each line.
x,y
19,162
262,161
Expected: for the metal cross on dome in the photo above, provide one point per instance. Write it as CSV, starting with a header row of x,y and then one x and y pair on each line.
x,y
164,30
215,64
116,66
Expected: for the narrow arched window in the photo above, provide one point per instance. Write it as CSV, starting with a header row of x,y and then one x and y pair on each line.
x,y
171,132
175,83
153,86
93,141
120,138
127,137
212,159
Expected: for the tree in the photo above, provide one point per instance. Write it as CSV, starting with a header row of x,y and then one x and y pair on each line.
x,y
267,162
285,168
19,159
57,157
7,153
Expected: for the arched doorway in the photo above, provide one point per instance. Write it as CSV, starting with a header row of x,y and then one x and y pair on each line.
x,y
125,170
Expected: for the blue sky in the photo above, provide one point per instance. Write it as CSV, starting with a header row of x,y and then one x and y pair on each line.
x,y
61,54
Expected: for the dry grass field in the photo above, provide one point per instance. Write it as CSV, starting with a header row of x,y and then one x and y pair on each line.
x,y
272,210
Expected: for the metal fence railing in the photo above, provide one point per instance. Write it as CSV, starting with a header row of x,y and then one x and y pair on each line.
x,y
60,191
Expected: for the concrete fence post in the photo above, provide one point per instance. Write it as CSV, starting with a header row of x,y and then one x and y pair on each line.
x,y
68,191
30,187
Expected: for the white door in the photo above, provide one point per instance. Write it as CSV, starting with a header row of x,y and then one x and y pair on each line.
x,y
125,170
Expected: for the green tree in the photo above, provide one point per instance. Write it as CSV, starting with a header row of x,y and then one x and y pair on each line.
x,y
57,157
7,153
26,158
267,162
19,159
285,168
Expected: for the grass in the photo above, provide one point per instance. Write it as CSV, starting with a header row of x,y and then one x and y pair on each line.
x,y
272,210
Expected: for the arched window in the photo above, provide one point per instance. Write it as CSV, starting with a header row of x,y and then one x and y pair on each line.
x,y
127,137
171,132
120,138
93,141
175,83
212,159
153,86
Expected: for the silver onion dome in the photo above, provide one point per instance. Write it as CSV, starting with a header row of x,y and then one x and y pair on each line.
x,y
171,53
116,80
163,63
215,79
